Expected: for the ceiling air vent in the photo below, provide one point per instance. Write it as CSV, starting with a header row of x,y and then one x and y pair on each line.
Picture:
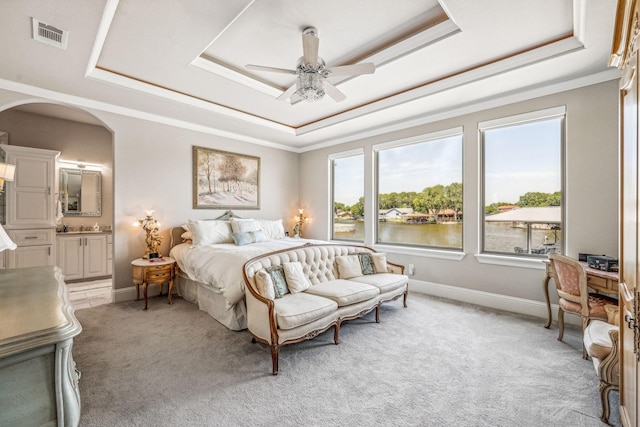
x,y
49,34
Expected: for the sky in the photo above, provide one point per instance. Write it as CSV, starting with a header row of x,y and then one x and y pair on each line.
x,y
519,159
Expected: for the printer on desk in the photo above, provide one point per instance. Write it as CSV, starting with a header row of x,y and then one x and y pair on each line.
x,y
603,262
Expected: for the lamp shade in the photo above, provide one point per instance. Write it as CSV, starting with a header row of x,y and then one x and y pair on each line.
x,y
5,241
7,171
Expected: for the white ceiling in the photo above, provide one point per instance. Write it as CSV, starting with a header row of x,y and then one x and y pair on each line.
x,y
184,60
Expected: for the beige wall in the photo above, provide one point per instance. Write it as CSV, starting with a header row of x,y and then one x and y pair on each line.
x,y
591,190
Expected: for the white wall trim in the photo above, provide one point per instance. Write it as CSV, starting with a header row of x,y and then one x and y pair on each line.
x,y
63,98
512,261
451,255
491,300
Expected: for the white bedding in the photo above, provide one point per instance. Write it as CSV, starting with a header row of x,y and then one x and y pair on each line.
x,y
219,266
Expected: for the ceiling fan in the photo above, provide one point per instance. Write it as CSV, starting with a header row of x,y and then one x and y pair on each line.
x,y
311,71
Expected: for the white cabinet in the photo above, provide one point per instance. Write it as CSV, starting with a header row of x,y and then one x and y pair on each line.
x,y
30,208
35,248
30,197
82,256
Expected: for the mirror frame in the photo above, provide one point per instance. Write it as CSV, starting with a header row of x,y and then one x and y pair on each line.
x,y
98,174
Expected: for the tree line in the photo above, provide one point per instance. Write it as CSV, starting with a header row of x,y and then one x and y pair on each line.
x,y
433,199
439,197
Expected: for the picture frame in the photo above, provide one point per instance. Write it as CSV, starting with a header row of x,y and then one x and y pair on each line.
x,y
225,180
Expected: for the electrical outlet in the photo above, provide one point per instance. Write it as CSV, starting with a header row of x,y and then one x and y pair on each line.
x,y
411,269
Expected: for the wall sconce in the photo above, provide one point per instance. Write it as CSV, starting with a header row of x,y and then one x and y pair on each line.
x,y
153,237
7,173
300,219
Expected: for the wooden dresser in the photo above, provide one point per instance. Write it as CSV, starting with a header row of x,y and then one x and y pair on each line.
x,y
38,377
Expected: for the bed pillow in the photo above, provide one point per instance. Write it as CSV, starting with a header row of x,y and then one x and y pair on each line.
x,y
273,229
264,283
379,262
297,281
210,232
279,280
348,266
241,225
248,237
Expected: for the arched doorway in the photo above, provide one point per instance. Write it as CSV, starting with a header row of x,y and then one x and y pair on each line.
x,y
79,137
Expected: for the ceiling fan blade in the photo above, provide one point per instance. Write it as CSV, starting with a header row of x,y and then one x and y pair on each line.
x,y
269,69
333,91
352,70
287,93
310,43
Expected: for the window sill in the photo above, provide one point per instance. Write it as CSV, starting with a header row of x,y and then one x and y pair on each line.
x,y
512,261
427,253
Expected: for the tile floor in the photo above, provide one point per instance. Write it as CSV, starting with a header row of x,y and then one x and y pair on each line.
x,y
90,294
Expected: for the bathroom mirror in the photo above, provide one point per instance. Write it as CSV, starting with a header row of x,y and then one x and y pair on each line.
x,y
80,192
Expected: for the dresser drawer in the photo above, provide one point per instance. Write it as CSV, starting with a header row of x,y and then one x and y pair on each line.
x,y
159,273
34,237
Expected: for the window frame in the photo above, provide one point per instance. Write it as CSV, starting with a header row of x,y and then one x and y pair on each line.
x,y
332,158
438,252
505,258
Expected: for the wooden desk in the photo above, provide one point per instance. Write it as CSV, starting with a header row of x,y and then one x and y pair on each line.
x,y
605,282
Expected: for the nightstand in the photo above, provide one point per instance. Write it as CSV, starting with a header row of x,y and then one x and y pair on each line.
x,y
153,271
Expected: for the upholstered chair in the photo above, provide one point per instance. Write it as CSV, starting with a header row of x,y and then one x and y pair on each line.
x,y
601,339
574,296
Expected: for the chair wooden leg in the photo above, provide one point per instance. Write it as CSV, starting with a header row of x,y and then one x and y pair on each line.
x,y
336,333
378,313
585,322
560,324
605,388
275,350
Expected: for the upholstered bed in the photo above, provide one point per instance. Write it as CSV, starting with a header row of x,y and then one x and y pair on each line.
x,y
210,255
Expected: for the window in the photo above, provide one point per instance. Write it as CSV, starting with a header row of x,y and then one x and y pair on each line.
x,y
347,191
419,191
522,183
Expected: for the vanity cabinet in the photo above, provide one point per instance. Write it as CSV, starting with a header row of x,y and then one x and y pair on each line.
x,y
83,255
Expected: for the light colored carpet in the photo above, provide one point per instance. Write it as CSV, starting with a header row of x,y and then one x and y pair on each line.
x,y
435,363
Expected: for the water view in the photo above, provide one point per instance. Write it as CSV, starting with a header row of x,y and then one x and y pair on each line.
x,y
501,237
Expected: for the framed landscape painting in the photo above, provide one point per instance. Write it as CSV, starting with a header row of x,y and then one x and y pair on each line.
x,y
224,180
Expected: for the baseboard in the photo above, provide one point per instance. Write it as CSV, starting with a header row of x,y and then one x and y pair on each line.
x,y
129,293
491,300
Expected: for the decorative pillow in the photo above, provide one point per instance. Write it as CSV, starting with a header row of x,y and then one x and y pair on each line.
x,y
264,283
348,266
273,229
297,281
613,312
366,262
241,225
248,237
210,232
379,262
186,236
279,280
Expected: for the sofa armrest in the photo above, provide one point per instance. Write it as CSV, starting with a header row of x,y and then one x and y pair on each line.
x,y
395,268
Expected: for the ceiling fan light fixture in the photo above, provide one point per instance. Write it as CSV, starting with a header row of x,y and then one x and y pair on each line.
x,y
310,87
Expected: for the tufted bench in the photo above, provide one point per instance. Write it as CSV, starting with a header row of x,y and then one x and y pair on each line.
x,y
295,294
